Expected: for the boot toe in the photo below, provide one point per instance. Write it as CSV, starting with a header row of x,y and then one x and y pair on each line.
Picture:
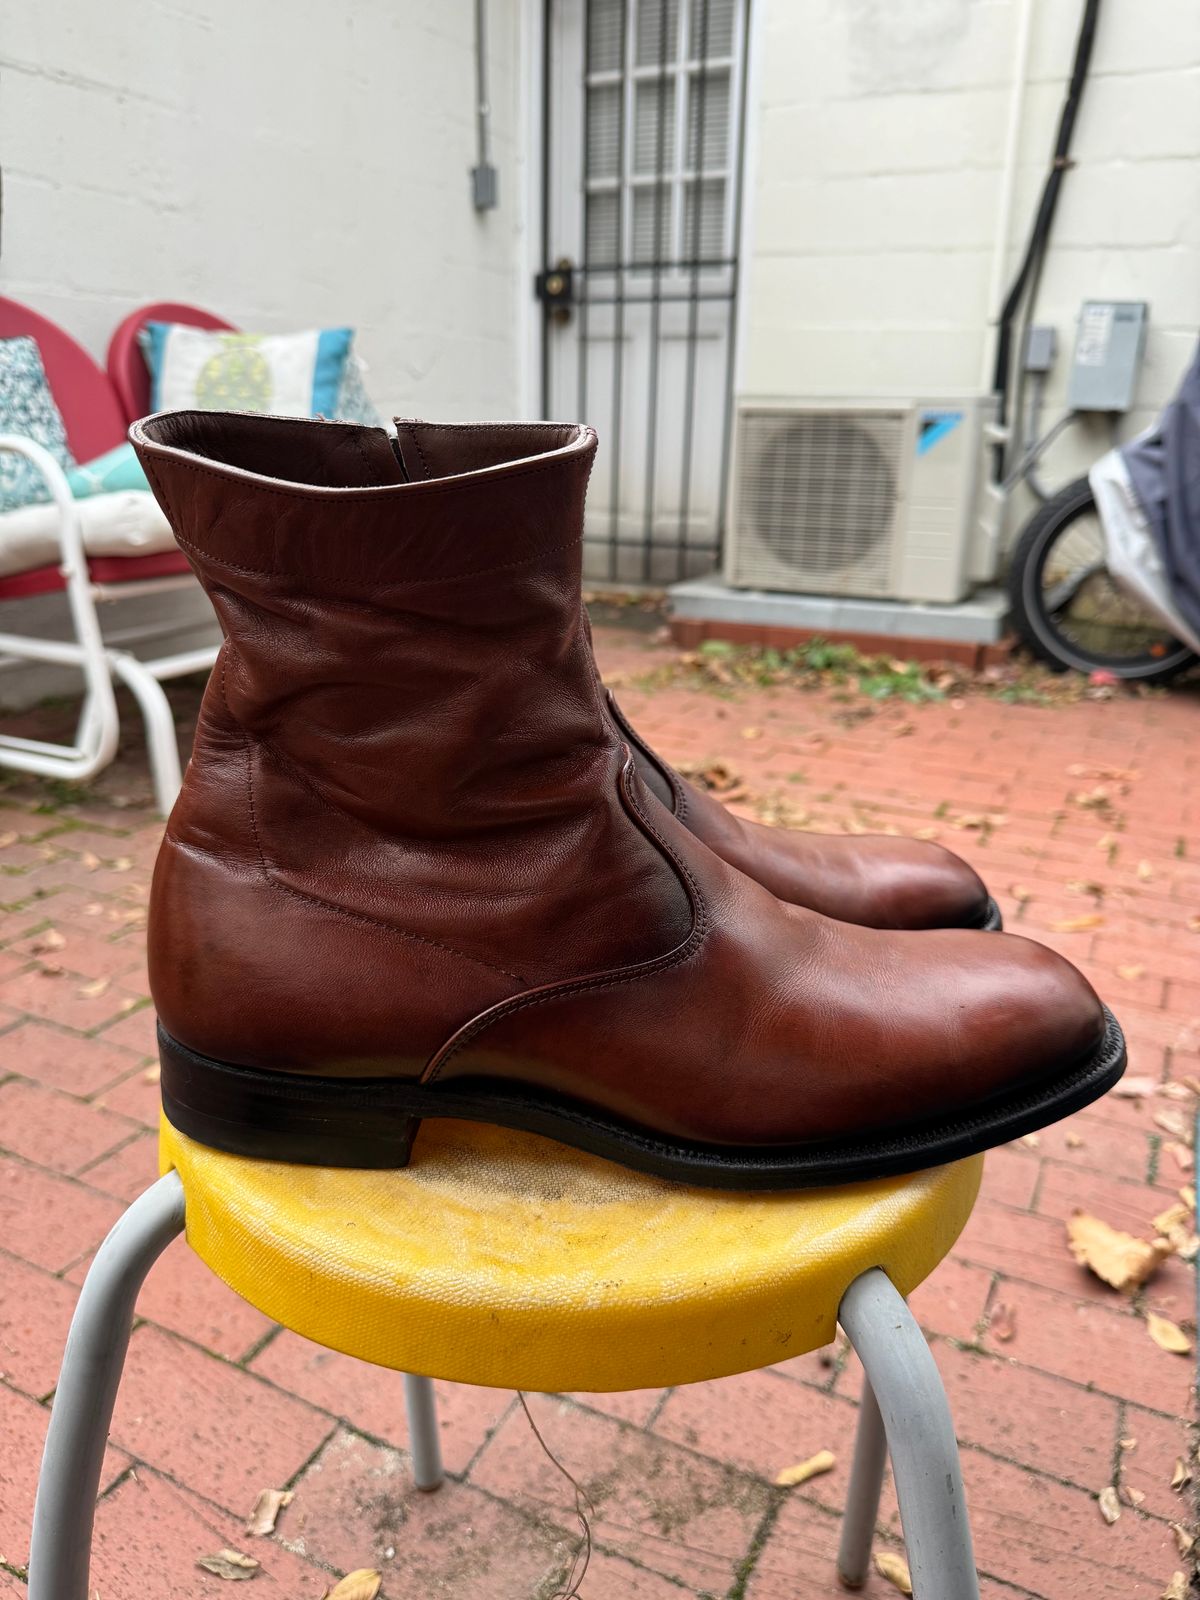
x,y
924,886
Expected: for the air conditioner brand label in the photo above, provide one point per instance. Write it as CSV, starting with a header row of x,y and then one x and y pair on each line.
x,y
933,426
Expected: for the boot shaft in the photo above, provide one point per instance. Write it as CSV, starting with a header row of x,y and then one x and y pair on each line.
x,y
404,734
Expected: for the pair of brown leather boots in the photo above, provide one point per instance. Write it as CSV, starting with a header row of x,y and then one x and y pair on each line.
x,y
421,866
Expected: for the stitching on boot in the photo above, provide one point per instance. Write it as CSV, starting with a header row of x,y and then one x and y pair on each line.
x,y
609,980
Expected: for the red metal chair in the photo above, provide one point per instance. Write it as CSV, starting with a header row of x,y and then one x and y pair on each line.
x,y
126,365
95,422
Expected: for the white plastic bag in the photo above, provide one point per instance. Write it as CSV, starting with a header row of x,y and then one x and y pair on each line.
x,y
1133,558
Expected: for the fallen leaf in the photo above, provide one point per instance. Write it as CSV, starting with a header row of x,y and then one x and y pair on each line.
x,y
1181,1477
1173,1218
152,1074
1132,973
362,1584
266,1509
1193,924
230,1564
1002,1321
1134,1088
752,733
1177,1588
895,1569
1171,1122
8,838
1116,1258
1077,924
1020,893
1188,1196
1127,1444
1145,871
1073,1141
1185,1089
926,833
1168,1335
93,990
1086,886
823,1461
122,864
1183,1539
1131,1496
90,861
1031,1141
1110,1506
1181,1155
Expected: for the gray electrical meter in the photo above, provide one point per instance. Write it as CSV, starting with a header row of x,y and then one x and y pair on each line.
x,y
1108,352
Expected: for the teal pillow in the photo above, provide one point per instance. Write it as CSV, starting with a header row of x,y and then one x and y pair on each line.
x,y
27,409
114,470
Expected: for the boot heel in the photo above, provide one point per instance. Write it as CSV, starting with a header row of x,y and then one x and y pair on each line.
x,y
276,1116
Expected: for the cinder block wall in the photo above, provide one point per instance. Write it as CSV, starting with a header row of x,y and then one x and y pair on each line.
x,y
288,163
877,141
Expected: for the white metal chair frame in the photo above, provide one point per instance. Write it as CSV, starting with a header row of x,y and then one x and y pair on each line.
x,y
98,728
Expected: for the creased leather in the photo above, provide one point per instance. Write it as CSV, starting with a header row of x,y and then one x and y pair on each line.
x,y
412,838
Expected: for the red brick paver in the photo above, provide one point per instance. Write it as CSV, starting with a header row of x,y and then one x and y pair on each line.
x,y
1073,812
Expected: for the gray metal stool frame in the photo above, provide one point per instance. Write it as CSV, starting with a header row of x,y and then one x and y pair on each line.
x,y
904,1410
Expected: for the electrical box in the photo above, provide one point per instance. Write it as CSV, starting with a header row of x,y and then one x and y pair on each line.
x,y
1108,353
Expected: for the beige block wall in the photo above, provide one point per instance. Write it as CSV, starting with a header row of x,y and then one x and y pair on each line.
x,y
874,192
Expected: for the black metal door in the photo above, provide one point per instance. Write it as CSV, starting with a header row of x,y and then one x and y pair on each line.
x,y
644,115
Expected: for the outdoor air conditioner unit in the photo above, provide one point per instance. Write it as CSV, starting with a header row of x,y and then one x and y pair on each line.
x,y
876,499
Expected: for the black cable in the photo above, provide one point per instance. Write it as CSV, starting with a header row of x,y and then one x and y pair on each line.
x,y
1040,232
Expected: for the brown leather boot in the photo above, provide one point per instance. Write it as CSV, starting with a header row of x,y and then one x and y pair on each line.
x,y
871,879
413,871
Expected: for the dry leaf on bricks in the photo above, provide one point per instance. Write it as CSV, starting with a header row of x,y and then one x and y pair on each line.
x,y
1020,893
1193,924
895,1569
1180,1154
1177,1588
230,1564
1130,1496
362,1584
1110,1505
1184,1540
1182,1476
266,1510
93,990
1168,1335
1002,1322
1116,1258
1132,973
1077,924
1134,1088
823,1461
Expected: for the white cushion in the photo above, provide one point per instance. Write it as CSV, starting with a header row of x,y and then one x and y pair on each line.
x,y
128,523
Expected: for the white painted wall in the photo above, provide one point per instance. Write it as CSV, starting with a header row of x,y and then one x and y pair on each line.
x,y
874,192
287,163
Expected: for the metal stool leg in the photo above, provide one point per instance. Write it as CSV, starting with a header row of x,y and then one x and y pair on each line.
x,y
862,1499
423,1441
920,1435
61,1548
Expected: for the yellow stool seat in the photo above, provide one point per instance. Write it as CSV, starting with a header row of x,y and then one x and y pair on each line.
x,y
505,1259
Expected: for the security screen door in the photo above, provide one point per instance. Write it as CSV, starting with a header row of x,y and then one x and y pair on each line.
x,y
642,181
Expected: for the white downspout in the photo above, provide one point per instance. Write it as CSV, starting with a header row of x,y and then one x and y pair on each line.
x,y
1008,189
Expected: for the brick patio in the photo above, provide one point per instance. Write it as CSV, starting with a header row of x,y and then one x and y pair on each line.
x,y
1086,812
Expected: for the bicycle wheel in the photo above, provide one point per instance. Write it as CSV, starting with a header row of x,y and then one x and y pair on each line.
x,y
1069,610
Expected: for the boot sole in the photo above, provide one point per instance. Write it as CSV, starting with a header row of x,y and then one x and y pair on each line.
x,y
372,1122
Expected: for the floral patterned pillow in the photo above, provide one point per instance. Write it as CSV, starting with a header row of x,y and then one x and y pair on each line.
x,y
27,409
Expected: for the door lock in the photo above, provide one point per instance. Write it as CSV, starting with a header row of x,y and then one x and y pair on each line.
x,y
555,288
